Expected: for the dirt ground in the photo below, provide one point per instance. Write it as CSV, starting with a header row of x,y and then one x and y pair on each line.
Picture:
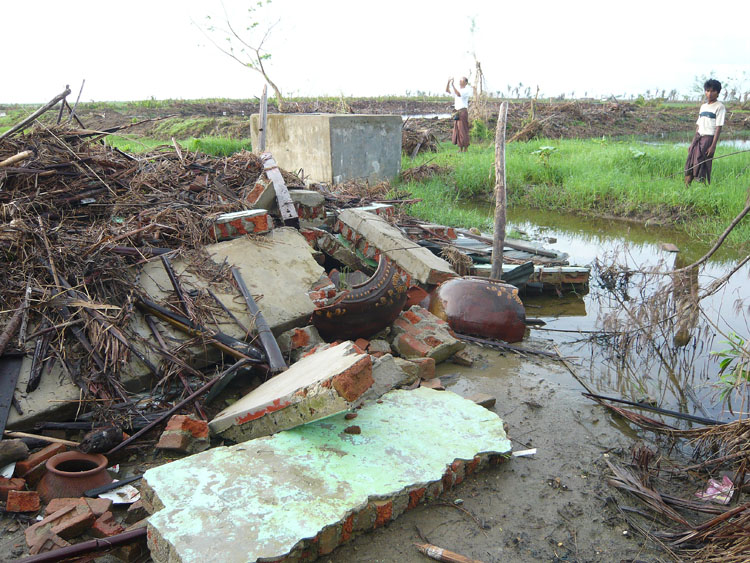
x,y
552,506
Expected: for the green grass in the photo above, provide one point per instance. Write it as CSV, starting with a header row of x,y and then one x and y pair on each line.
x,y
593,177
215,146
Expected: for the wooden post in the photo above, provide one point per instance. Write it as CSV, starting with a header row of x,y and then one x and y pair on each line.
x,y
500,198
263,120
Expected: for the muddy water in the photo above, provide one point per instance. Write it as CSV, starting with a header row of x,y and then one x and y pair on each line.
x,y
668,363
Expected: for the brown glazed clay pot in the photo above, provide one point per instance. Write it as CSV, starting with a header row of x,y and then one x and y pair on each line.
x,y
480,307
69,474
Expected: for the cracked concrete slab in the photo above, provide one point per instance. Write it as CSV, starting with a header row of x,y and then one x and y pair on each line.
x,y
323,383
298,494
372,235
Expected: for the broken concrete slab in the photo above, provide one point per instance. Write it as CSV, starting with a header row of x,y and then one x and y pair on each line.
x,y
265,263
372,235
310,206
302,492
382,209
417,333
319,385
387,375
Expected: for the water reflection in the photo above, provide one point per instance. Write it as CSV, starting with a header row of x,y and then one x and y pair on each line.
x,y
638,334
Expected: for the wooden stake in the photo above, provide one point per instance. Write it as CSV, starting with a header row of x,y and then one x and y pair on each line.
x,y
440,554
500,197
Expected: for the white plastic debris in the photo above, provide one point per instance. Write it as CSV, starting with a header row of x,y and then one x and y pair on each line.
x,y
524,453
7,471
127,494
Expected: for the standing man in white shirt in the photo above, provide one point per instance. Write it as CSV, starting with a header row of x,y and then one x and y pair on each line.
x,y
709,124
461,105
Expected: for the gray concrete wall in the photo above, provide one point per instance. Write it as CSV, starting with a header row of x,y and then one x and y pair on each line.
x,y
365,146
334,148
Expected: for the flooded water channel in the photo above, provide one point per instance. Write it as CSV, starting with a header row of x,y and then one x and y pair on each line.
x,y
622,347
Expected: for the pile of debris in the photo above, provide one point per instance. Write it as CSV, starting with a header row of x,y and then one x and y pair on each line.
x,y
137,287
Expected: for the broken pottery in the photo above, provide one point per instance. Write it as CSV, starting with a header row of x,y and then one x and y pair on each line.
x,y
480,307
367,308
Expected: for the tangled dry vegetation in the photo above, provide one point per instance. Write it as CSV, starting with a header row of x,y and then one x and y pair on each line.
x,y
75,215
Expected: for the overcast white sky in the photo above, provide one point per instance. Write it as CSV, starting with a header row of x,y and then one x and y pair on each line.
x,y
137,49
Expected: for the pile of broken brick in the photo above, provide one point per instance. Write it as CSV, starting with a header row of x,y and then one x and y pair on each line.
x,y
123,304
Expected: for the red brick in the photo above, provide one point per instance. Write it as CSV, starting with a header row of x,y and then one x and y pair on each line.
x,y
412,317
415,496
191,425
97,505
136,511
174,441
106,526
47,542
426,367
355,380
35,474
22,501
385,512
361,344
300,338
67,523
35,459
415,295
432,341
411,347
14,484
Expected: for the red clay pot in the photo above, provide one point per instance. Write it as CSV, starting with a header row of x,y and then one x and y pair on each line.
x,y
480,307
69,474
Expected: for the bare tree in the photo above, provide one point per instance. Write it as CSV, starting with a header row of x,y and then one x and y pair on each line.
x,y
246,47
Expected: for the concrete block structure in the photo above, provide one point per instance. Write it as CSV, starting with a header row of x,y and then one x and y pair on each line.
x,y
334,148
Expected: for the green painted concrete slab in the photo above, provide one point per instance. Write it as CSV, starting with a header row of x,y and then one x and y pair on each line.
x,y
258,501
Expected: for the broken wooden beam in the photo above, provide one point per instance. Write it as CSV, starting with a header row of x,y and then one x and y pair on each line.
x,y
275,358
286,205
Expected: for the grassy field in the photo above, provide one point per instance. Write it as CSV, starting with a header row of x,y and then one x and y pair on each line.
x,y
212,145
593,177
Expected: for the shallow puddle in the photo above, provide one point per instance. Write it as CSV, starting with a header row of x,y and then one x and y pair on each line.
x,y
669,364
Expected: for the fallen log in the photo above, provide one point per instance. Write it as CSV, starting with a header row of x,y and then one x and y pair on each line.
x,y
16,158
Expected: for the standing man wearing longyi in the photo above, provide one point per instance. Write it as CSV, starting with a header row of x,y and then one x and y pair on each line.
x,y
709,124
461,105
